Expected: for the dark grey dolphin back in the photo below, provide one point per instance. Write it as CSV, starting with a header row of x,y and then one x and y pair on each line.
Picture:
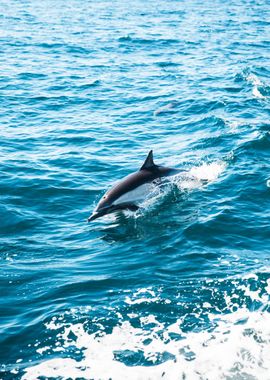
x,y
149,162
157,170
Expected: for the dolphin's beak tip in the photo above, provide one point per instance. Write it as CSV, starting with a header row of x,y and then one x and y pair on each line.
x,y
94,216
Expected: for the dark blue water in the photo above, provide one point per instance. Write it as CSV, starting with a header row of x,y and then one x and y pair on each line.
x,y
180,289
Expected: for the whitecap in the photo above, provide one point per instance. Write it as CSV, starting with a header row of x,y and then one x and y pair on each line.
x,y
240,341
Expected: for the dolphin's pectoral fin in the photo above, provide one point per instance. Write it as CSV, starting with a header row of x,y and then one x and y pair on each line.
x,y
127,206
113,208
149,162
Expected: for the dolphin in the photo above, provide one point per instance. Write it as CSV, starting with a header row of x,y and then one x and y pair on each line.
x,y
128,192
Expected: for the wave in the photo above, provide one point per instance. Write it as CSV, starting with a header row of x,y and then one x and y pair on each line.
x,y
233,325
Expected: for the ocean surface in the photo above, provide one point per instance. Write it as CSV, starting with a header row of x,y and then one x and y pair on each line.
x,y
179,289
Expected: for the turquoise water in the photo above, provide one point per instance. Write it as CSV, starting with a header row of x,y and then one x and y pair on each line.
x,y
180,289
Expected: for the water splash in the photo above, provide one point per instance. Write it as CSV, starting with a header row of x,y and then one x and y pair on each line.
x,y
239,339
257,83
201,175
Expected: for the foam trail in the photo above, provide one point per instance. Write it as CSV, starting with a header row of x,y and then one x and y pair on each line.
x,y
198,175
208,172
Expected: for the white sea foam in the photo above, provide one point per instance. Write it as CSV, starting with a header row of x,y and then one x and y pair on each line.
x,y
256,92
236,347
198,175
209,172
252,78
233,125
255,81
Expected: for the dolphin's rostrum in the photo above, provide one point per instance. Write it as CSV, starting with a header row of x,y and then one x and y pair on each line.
x,y
126,194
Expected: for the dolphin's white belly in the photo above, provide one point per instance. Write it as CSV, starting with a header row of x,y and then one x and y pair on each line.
x,y
137,195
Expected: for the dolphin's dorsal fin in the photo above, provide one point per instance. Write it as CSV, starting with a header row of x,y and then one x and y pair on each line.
x,y
149,162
